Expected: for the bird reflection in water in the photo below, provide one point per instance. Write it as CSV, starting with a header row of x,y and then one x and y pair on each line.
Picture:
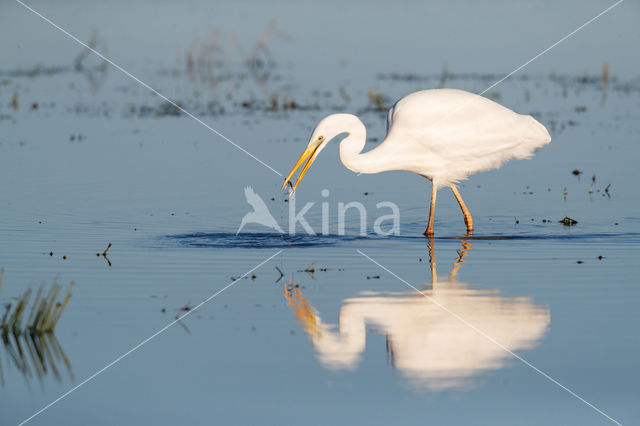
x,y
428,345
35,356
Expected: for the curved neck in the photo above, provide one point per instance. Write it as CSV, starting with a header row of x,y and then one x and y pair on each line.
x,y
351,147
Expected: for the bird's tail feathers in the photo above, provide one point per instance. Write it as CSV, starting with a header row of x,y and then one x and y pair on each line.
x,y
538,132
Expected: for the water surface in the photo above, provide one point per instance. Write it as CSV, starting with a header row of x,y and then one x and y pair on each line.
x,y
320,334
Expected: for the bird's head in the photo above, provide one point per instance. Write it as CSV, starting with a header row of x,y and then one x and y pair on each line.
x,y
328,128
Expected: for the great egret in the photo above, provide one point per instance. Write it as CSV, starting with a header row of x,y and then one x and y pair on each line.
x,y
443,134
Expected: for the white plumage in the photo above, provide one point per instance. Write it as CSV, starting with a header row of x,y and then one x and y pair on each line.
x,y
444,135
447,134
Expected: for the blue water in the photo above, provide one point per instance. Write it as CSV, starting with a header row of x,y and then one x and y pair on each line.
x,y
320,334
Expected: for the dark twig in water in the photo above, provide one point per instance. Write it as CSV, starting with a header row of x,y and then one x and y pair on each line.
x,y
184,326
104,253
277,281
309,270
184,309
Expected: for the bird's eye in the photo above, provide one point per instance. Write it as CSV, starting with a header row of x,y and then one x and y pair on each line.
x,y
320,138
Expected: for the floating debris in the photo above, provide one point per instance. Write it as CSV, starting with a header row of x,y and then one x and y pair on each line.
x,y
104,253
14,100
181,312
576,172
309,270
185,308
290,105
373,277
567,221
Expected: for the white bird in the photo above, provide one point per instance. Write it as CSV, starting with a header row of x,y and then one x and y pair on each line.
x,y
260,213
444,135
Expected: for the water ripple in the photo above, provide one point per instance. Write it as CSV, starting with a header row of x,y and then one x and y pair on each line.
x,y
275,240
257,240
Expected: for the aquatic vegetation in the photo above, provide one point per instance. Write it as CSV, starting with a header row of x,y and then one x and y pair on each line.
x,y
36,355
33,348
605,74
379,101
44,314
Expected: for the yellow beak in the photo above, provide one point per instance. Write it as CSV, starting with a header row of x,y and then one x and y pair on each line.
x,y
309,155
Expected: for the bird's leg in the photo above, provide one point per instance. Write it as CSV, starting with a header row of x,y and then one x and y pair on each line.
x,y
432,261
432,211
468,219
